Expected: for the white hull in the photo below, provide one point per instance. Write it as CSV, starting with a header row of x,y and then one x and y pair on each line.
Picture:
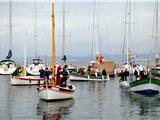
x,y
55,93
143,87
34,69
7,71
124,84
26,80
78,78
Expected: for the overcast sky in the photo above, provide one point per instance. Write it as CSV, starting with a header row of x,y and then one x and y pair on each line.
x,y
79,14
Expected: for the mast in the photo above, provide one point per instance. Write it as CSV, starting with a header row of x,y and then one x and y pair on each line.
x,y
10,25
53,47
35,29
156,28
63,31
93,29
98,27
129,32
124,34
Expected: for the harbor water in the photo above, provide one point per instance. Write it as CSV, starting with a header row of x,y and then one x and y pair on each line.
x,y
92,101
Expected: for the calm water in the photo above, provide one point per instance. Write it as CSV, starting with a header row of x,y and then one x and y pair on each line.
x,y
93,101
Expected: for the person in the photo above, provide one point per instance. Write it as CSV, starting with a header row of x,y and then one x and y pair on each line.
x,y
122,75
65,75
104,73
58,73
46,75
41,71
126,74
135,74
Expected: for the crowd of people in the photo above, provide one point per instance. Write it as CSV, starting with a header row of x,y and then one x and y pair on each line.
x,y
61,75
136,74
92,71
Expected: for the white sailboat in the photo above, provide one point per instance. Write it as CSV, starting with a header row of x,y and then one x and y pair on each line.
x,y
51,91
8,66
21,78
36,64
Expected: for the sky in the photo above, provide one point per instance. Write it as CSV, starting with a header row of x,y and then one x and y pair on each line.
x,y
78,22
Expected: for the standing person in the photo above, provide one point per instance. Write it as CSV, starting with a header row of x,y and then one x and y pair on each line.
x,y
122,75
65,76
41,71
126,74
58,75
46,75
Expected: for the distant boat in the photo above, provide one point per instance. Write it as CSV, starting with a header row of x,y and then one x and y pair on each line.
x,y
97,65
51,91
34,67
8,66
37,63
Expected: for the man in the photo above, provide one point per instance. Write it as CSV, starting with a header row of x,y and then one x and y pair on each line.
x,y
65,76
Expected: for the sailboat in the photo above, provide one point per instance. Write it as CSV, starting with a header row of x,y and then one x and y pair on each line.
x,y
36,64
51,91
8,66
20,77
95,66
151,84
126,40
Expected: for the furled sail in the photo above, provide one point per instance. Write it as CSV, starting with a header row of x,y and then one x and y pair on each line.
x,y
9,54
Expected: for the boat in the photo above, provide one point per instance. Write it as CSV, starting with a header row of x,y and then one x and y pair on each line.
x,y
148,85
19,77
8,66
34,67
98,64
37,63
52,91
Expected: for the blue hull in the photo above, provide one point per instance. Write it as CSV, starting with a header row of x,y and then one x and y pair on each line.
x,y
148,92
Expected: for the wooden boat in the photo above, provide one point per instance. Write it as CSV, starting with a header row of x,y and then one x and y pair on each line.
x,y
51,91
20,78
148,86
27,80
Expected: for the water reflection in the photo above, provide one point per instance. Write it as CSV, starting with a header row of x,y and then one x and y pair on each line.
x,y
147,107
54,110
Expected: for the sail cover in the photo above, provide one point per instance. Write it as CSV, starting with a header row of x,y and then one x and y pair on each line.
x,y
9,54
64,58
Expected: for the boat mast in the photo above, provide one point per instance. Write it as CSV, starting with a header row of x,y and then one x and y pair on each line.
x,y
93,29
10,25
129,33
98,37
63,31
124,34
53,47
35,29
156,29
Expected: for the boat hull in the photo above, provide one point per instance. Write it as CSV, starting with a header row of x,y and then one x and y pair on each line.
x,y
146,86
87,78
7,71
26,80
124,84
55,93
